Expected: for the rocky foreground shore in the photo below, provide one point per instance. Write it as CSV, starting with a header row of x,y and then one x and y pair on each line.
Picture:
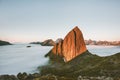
x,y
37,76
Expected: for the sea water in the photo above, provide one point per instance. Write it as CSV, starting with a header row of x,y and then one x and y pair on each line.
x,y
103,50
20,58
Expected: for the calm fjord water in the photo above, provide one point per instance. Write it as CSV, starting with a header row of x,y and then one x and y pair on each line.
x,y
18,58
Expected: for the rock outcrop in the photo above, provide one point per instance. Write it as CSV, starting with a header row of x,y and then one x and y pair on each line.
x,y
48,42
72,45
8,77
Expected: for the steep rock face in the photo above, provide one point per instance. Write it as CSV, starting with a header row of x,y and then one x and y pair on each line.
x,y
58,49
72,45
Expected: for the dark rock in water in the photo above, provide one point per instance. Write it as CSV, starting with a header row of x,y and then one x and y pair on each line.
x,y
28,46
48,42
72,45
8,77
4,43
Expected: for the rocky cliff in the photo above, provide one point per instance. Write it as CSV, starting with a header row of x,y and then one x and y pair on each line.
x,y
72,45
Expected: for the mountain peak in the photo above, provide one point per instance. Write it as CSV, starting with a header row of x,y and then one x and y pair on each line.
x,y
72,45
76,27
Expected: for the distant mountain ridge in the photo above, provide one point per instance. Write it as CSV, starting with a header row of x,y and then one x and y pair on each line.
x,y
107,43
87,42
48,42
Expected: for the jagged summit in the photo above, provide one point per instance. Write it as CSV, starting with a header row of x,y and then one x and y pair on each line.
x,y
72,45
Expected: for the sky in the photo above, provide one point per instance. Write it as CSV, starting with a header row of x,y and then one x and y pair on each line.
x,y
38,20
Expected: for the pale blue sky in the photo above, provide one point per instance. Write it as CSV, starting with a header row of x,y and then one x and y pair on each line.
x,y
37,20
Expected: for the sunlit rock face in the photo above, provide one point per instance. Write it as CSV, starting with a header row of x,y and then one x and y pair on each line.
x,y
72,45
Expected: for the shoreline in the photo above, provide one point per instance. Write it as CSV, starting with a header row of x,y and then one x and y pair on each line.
x,y
38,76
